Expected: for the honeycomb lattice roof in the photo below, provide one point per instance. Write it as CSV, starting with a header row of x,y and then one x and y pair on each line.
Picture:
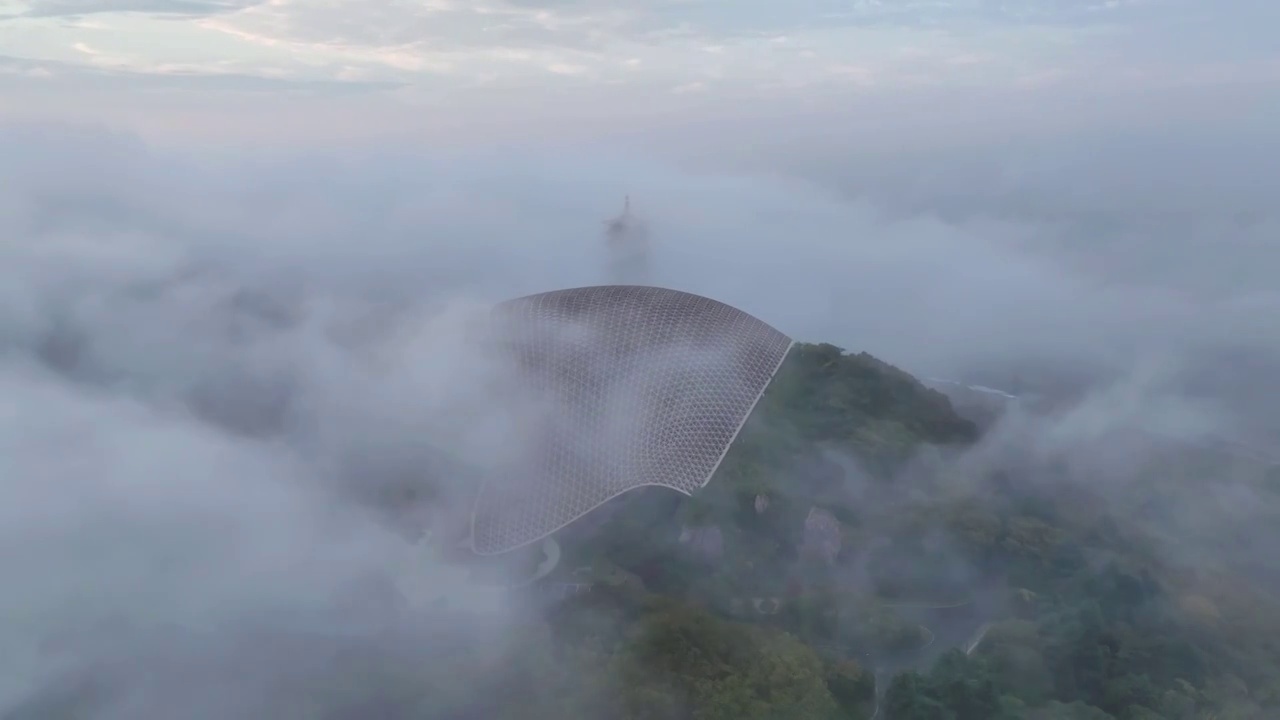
x,y
635,386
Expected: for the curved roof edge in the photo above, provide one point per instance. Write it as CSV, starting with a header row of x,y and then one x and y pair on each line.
x,y
741,423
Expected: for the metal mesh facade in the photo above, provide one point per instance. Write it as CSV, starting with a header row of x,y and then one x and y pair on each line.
x,y
634,386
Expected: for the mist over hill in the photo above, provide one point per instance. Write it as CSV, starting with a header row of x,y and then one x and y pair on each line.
x,y
237,387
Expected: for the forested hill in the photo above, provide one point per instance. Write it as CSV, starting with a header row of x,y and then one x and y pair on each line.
x,y
852,559
826,573
823,401
828,395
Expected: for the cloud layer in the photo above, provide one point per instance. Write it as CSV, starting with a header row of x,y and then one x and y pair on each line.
x,y
202,344
242,243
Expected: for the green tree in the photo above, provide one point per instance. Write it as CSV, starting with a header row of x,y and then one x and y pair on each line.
x,y
852,688
713,669
964,687
908,698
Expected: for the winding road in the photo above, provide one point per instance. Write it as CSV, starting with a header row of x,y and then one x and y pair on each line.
x,y
955,633
1228,446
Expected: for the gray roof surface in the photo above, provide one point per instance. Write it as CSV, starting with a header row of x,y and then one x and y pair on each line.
x,y
634,386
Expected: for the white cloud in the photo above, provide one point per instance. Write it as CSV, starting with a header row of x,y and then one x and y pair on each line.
x,y
755,42
568,69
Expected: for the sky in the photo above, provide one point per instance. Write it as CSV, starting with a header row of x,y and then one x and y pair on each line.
x,y
439,66
241,243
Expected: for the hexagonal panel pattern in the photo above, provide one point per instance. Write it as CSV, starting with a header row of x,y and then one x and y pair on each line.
x,y
633,386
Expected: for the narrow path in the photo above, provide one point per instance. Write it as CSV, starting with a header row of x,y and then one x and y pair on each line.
x,y
932,637
879,693
977,639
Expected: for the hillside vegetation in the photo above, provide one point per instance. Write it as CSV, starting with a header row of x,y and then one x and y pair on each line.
x,y
852,559
1070,599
